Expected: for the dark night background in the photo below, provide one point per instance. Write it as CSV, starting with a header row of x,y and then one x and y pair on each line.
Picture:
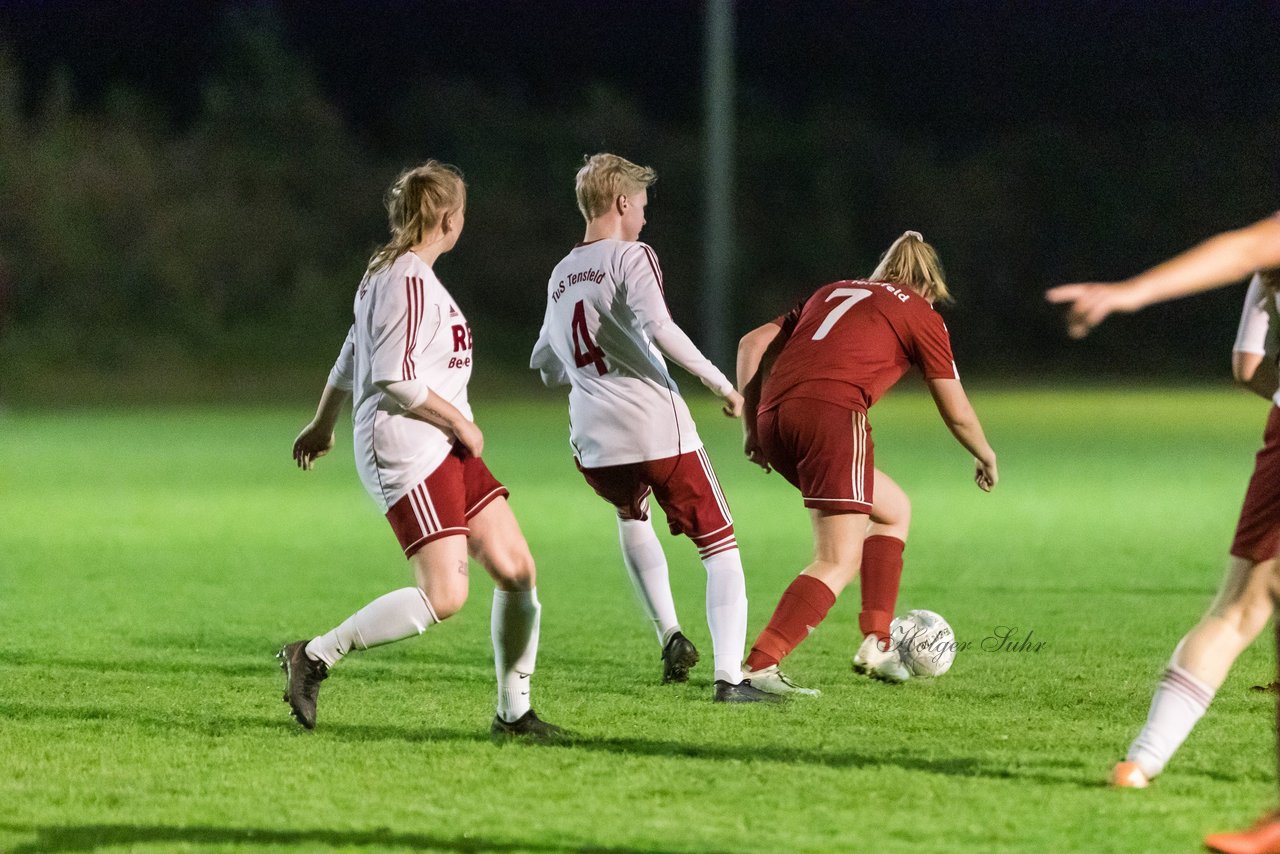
x,y
191,189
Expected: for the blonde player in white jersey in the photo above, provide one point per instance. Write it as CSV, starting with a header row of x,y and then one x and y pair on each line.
x,y
605,332
408,359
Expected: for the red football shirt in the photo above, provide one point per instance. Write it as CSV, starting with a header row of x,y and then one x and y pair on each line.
x,y
851,341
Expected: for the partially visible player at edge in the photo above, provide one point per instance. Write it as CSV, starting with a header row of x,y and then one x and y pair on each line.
x,y
809,377
605,332
408,360
1247,597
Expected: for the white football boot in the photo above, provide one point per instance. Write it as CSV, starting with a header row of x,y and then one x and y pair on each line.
x,y
871,660
773,681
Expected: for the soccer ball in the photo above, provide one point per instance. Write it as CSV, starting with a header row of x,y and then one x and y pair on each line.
x,y
925,643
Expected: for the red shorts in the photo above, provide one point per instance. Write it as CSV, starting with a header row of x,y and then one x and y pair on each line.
x,y
440,506
822,449
1258,531
686,489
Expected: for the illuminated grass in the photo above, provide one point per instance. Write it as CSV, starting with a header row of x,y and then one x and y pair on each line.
x,y
152,561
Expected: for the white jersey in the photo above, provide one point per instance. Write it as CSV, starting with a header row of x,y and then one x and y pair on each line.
x,y
604,308
406,327
1255,321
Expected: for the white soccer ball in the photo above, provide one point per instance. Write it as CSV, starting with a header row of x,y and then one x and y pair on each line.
x,y
925,642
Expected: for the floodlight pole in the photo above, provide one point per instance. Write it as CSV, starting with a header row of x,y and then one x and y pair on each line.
x,y
718,133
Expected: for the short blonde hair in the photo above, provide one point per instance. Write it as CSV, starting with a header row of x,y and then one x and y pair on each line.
x,y
911,262
604,177
415,203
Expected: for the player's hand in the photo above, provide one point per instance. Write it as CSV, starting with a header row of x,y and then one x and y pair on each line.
x,y
312,444
985,475
733,404
1092,302
470,436
751,447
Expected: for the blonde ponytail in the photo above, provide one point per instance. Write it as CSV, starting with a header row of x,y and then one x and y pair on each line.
x,y
912,262
415,204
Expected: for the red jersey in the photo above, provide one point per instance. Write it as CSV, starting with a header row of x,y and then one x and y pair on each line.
x,y
851,341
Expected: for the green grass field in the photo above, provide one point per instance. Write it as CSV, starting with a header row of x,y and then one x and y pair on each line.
x,y
151,561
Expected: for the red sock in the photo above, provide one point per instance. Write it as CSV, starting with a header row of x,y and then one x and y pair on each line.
x,y
881,572
803,606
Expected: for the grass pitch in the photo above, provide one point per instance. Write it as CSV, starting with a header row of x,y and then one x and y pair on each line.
x,y
152,561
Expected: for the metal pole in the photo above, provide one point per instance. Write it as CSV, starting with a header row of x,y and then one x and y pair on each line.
x,y
718,131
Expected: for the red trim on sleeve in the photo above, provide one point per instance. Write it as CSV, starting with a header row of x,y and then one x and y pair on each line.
x,y
413,319
653,263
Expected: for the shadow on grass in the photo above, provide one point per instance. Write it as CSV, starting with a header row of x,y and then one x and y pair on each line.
x,y
965,767
90,837
223,725
266,665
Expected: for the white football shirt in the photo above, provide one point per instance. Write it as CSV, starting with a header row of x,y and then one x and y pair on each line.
x,y
406,327
604,306
1255,321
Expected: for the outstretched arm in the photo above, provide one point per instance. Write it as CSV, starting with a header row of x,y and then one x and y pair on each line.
x,y
956,411
677,347
1218,261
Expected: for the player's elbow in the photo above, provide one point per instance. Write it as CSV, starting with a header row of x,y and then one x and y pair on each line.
x,y
756,341
1244,366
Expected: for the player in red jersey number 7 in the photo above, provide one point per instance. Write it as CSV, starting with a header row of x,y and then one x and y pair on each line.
x,y
809,378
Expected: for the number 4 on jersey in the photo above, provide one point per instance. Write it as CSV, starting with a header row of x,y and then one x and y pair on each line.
x,y
585,351
853,297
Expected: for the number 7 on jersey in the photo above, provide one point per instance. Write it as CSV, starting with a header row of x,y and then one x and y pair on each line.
x,y
852,297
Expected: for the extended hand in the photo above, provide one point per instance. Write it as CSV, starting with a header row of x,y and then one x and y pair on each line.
x,y
1091,302
312,443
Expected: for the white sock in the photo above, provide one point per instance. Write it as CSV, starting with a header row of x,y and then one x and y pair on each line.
x,y
647,566
514,629
727,612
394,616
1179,702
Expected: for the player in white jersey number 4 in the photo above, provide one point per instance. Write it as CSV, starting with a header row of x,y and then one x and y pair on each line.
x,y
605,332
407,361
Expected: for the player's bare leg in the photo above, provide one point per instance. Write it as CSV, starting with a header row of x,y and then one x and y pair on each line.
x,y
804,604
1264,836
394,616
1198,667
880,576
498,544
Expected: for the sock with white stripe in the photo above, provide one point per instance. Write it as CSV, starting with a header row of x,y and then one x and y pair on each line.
x,y
1179,702
391,617
514,626
647,566
727,612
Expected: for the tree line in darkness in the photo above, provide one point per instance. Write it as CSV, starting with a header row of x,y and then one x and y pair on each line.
x,y
234,239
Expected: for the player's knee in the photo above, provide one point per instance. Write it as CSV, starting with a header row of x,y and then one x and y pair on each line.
x,y
1251,609
446,602
515,571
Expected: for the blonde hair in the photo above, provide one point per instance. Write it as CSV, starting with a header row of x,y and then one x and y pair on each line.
x,y
415,204
912,262
604,177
